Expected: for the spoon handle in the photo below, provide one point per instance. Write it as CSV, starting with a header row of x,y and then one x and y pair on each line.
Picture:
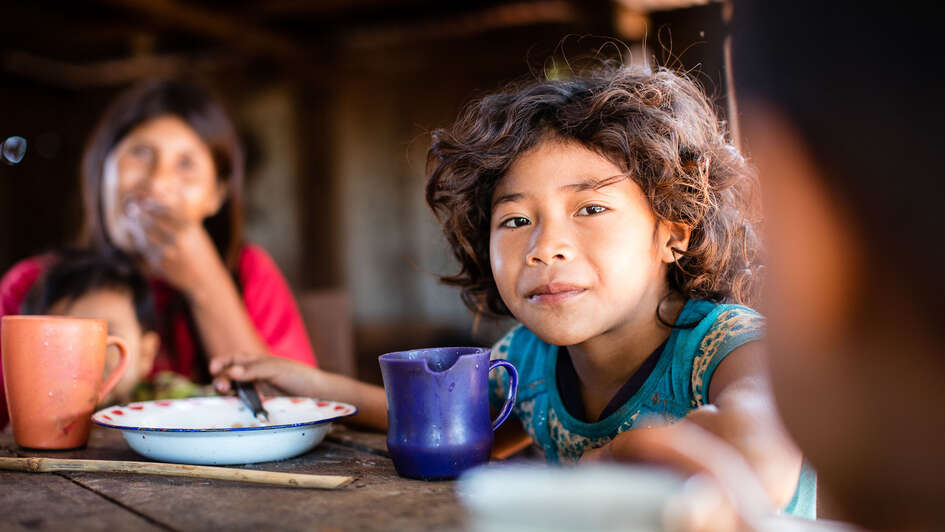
x,y
250,397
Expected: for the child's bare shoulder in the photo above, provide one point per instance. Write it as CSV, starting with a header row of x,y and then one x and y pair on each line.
x,y
723,330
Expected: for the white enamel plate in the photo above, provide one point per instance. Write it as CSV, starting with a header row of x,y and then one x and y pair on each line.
x,y
221,430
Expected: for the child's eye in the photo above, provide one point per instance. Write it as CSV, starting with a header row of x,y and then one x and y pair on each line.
x,y
517,221
185,163
142,151
591,210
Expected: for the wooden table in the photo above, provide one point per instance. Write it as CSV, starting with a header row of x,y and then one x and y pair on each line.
x,y
112,502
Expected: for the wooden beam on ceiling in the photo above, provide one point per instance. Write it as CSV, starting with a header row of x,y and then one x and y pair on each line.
x,y
647,6
111,72
219,25
324,7
466,24
42,30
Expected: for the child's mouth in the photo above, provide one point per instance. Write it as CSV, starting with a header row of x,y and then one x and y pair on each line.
x,y
554,293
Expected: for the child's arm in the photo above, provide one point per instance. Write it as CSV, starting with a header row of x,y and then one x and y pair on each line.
x,y
294,378
741,414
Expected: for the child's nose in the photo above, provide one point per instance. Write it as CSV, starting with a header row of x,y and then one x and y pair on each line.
x,y
547,259
549,247
162,185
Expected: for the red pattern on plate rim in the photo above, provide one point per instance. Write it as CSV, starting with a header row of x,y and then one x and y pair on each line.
x,y
297,400
163,403
118,412
106,417
136,407
321,404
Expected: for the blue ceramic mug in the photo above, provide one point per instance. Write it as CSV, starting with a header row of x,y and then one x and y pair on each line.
x,y
438,409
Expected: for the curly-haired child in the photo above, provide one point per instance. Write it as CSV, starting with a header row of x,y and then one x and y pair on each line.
x,y
613,218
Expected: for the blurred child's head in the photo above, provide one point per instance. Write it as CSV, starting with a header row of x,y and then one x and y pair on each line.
x,y
85,284
617,187
843,114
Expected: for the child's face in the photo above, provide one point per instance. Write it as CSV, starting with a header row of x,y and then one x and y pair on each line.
x,y
116,307
571,261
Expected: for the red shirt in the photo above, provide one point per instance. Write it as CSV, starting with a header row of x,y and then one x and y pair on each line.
x,y
266,295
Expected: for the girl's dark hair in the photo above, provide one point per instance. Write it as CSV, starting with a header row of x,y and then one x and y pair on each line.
x,y
658,127
76,272
206,116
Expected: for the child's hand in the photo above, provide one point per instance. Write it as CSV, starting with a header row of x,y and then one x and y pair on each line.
x,y
181,253
294,378
286,376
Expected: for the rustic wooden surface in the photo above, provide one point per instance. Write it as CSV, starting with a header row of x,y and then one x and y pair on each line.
x,y
377,500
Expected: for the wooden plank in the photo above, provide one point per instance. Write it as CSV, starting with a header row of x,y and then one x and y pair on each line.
x,y
371,442
51,502
219,24
645,6
324,7
463,25
104,444
377,500
114,71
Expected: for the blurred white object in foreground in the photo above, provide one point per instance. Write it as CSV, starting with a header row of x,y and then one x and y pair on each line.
x,y
518,497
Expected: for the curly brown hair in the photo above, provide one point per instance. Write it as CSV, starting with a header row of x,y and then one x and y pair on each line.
x,y
657,126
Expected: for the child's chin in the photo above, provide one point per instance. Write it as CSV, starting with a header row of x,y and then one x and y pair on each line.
x,y
559,335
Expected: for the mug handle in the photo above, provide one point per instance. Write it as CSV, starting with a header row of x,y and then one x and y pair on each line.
x,y
118,371
513,391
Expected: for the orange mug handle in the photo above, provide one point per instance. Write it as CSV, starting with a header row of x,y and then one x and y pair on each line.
x,y
113,379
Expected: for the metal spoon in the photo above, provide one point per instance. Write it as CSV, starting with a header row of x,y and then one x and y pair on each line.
x,y
250,397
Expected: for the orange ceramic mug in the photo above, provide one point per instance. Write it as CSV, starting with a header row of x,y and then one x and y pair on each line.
x,y
52,372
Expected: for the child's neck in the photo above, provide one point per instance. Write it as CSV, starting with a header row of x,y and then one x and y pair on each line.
x,y
605,363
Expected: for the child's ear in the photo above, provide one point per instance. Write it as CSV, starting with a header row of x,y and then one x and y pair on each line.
x,y
674,237
150,343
